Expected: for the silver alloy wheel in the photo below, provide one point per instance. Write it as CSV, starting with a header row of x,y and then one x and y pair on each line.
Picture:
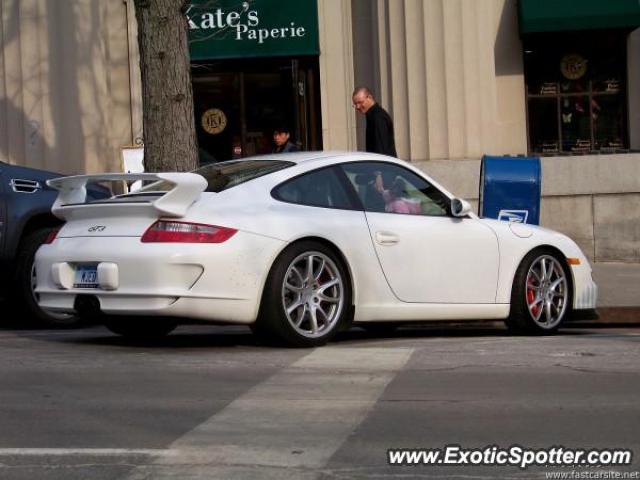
x,y
36,297
546,291
313,294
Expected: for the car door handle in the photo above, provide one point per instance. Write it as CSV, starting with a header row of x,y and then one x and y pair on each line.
x,y
386,238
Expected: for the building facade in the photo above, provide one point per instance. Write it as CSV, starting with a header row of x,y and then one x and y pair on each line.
x,y
461,79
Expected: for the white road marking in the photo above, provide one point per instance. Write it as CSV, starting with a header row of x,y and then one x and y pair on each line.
x,y
299,417
82,452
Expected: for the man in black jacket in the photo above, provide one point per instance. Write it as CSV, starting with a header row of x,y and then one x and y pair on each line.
x,y
379,133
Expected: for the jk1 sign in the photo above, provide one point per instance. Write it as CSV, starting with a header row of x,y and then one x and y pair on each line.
x,y
253,28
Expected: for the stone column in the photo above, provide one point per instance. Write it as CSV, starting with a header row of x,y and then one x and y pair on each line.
x,y
450,73
135,80
633,55
336,75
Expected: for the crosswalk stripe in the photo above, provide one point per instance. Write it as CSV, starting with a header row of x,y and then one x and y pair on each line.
x,y
83,452
299,417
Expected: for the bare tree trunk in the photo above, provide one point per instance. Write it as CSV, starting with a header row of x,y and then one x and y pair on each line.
x,y
167,94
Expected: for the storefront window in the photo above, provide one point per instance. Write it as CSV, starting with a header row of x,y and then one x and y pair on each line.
x,y
576,92
255,68
239,103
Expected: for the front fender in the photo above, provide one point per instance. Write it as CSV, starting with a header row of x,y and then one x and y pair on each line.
x,y
514,247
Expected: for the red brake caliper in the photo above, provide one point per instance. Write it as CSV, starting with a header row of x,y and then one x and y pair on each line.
x,y
531,297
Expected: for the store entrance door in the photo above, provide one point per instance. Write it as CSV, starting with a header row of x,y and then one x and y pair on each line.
x,y
237,105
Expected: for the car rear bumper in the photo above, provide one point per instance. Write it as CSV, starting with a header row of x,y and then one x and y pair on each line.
x,y
216,282
208,309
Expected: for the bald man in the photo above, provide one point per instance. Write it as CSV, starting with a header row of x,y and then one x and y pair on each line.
x,y
379,133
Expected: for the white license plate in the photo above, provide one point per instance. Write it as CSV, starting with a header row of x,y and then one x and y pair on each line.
x,y
86,276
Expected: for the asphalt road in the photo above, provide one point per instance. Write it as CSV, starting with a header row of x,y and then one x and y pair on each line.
x,y
209,402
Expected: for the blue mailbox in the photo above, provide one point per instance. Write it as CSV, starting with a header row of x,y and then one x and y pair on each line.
x,y
510,189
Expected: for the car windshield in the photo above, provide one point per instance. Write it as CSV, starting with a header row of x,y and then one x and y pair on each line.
x,y
224,175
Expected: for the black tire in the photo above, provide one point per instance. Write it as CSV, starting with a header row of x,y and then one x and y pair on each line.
x,y
264,335
526,315
24,299
327,307
140,329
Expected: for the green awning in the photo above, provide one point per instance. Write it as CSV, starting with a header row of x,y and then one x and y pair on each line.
x,y
565,15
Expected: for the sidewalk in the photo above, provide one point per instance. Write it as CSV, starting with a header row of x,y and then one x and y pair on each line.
x,y
618,292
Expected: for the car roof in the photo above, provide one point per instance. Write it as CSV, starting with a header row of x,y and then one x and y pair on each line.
x,y
28,171
301,158
325,158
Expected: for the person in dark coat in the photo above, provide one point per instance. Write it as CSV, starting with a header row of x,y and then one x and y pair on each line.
x,y
379,132
281,136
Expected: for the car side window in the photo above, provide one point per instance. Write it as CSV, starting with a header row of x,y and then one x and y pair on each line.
x,y
318,188
390,188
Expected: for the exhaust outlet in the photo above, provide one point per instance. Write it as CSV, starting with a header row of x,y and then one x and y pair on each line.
x,y
87,306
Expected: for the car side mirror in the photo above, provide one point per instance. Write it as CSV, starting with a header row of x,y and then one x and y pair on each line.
x,y
460,207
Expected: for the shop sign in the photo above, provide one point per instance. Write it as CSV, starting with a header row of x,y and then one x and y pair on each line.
x,y
214,121
253,28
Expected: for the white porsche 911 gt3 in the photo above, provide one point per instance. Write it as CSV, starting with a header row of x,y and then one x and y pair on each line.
x,y
298,246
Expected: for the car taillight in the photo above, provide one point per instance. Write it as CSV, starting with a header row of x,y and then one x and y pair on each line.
x,y
184,232
51,236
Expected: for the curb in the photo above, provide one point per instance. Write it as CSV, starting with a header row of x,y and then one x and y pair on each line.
x,y
610,317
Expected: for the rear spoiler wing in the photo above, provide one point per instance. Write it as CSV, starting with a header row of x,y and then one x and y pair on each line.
x,y
72,191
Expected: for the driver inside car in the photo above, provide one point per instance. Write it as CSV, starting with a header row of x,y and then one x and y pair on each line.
x,y
396,198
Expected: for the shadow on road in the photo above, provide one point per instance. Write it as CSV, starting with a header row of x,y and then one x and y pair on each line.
x,y
188,337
